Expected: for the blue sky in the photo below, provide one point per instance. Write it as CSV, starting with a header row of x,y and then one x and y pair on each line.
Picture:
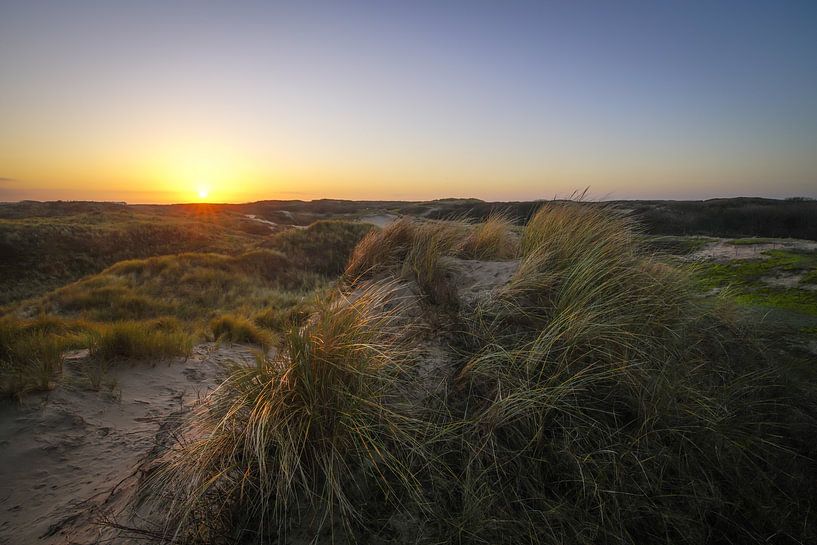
x,y
149,101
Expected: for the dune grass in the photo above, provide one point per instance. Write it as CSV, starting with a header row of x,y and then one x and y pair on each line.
x,y
155,307
304,439
31,351
192,287
416,250
594,399
494,239
605,406
46,245
324,247
140,340
28,363
236,329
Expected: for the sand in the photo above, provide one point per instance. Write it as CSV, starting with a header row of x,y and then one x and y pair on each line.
x,y
70,459
380,220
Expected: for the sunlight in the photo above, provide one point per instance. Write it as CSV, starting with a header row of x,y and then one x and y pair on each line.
x,y
203,193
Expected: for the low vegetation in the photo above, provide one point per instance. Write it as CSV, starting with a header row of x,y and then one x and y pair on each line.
x,y
779,279
592,398
140,340
493,239
191,287
324,247
142,309
307,437
46,245
417,251
239,330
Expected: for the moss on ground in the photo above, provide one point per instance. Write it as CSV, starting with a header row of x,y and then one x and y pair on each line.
x,y
745,279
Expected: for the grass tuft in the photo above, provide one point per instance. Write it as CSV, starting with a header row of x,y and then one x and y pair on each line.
x,y
306,437
239,330
131,340
492,240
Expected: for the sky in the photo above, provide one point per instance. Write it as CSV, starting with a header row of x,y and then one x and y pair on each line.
x,y
173,101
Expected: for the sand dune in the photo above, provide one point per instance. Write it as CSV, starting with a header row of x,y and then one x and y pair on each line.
x,y
72,458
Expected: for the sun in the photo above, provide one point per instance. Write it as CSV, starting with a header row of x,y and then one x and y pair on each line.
x,y
203,193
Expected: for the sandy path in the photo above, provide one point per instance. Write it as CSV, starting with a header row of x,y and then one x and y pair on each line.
x,y
272,225
380,220
65,455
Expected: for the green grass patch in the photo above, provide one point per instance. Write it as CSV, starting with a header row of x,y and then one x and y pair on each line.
x,y
745,279
751,241
792,299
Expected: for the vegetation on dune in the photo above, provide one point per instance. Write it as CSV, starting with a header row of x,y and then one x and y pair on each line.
x,y
752,281
46,249
676,245
30,358
415,250
290,311
239,330
153,308
738,217
192,287
594,398
32,350
605,405
492,239
306,438
140,340
324,247
741,217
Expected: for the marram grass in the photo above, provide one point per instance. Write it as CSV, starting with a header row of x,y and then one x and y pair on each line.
x,y
594,399
306,438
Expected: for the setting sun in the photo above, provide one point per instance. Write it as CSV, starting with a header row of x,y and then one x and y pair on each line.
x,y
203,193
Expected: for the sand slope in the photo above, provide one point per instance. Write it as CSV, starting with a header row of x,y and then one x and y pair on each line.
x,y
72,458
